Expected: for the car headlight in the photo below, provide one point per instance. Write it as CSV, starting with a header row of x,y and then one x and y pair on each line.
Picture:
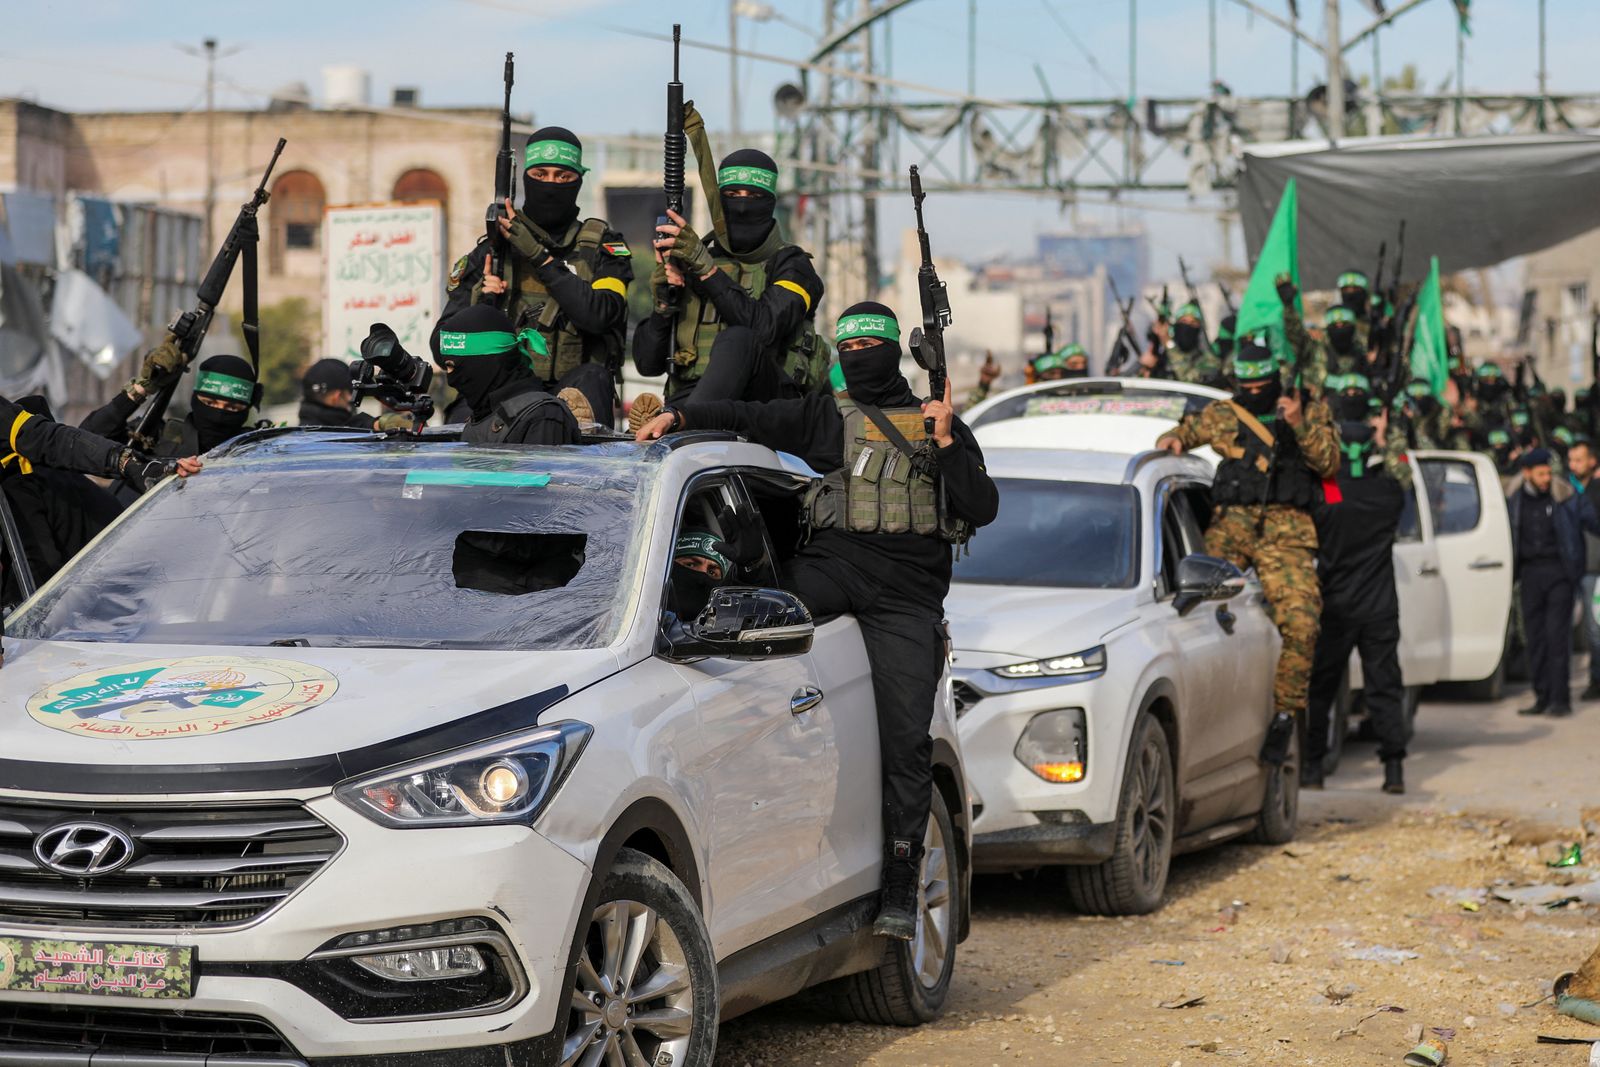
x,y
1053,746
1092,661
509,780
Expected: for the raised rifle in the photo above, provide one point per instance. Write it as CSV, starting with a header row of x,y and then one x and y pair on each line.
x,y
1049,332
927,340
188,330
1375,301
1125,345
674,148
502,191
1227,299
1194,294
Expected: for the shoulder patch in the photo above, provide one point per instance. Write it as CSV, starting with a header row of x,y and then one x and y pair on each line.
x,y
456,272
616,248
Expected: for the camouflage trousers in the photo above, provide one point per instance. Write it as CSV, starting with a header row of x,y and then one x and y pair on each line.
x,y
1285,558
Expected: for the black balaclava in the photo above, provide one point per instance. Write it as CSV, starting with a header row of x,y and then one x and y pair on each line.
x,y
1252,357
1352,407
872,374
228,378
1186,335
748,218
552,205
476,376
1342,337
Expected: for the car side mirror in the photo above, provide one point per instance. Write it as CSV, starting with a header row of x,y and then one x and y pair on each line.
x,y
741,622
1202,578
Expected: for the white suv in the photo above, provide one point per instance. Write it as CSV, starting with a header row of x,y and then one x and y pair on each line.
x,y
1114,684
364,751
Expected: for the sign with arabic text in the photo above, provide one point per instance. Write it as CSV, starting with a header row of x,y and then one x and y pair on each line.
x,y
40,965
382,263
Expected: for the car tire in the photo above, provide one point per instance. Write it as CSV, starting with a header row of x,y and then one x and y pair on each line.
x,y
1280,803
1338,726
1134,880
910,986
644,960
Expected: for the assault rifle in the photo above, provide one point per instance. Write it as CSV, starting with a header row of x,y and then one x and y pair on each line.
x,y
1124,345
1049,332
927,340
502,191
1227,299
188,330
674,148
1194,294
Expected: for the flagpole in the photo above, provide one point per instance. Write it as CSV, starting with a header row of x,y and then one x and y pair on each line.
x,y
1335,98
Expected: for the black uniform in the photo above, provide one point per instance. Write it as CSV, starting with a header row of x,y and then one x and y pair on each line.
x,y
1360,606
313,413
894,584
501,400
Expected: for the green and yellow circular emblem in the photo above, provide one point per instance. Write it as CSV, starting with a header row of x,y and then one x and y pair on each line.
x,y
8,964
189,697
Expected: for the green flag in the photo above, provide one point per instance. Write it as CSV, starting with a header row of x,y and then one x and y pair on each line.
x,y
1465,15
1260,308
1430,360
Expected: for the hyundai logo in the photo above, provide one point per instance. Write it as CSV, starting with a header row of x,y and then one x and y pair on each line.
x,y
83,849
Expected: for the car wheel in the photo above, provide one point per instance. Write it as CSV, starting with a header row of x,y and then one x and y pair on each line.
x,y
1280,802
1338,726
909,987
644,984
1134,879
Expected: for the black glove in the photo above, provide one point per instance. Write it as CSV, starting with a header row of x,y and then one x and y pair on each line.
x,y
141,472
1286,290
741,537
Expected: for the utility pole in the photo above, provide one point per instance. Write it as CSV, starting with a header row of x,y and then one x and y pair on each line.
x,y
733,68
1335,98
211,138
1544,71
1132,129
1461,73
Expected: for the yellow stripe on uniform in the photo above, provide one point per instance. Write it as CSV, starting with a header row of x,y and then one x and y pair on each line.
x,y
611,285
794,287
16,427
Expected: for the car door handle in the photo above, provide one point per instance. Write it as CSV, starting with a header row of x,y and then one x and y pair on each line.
x,y
1486,564
1427,570
1226,619
805,698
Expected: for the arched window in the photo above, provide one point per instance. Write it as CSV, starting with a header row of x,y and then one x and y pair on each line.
x,y
424,184
296,215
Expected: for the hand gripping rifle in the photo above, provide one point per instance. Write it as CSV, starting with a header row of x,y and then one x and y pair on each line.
x,y
927,340
188,330
502,190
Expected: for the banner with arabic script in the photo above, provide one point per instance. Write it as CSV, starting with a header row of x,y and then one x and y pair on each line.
x,y
36,965
384,264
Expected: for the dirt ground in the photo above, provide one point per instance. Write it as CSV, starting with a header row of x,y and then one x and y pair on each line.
x,y
1267,936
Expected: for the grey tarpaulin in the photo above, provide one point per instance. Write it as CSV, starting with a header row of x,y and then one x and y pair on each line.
x,y
1473,202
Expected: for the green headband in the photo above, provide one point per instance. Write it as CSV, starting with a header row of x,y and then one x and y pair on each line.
x,y
554,154
492,343
1052,361
881,326
1074,349
1489,370
704,546
1338,383
1340,314
1191,310
755,177
1249,370
225,386
1419,388
1353,279
1499,437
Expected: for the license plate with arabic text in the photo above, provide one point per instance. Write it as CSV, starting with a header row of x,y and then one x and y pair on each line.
x,y
36,965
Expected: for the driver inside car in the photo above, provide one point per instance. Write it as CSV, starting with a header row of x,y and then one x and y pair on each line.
x,y
698,567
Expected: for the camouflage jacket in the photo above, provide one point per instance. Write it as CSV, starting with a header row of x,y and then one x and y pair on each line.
x,y
1216,425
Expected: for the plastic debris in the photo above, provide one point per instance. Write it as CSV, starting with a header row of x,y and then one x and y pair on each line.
x,y
1381,954
1572,858
1431,1053
1168,963
1183,1002
1352,1031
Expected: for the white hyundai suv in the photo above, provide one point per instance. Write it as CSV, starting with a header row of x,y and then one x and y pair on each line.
x,y
1113,683
356,750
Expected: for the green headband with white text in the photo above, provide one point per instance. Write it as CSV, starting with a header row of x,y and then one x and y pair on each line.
x,y
226,386
755,177
554,154
881,326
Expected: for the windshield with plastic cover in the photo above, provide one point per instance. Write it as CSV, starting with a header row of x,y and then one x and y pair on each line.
x,y
366,544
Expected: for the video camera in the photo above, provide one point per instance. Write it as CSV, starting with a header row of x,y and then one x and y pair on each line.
x,y
387,372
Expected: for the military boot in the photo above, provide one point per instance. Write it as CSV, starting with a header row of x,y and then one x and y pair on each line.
x,y
897,906
1394,776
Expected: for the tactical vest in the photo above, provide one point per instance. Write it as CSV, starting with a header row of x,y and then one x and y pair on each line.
x,y
1251,481
805,355
880,489
567,346
530,417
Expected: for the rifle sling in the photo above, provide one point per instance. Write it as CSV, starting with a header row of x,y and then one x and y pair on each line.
x,y
694,129
1253,424
889,430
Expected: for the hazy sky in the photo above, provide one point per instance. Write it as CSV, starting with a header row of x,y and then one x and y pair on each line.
x,y
577,66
